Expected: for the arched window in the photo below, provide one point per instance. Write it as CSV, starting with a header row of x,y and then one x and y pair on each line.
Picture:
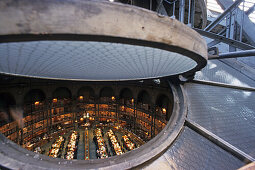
x,y
86,94
163,107
126,96
144,100
33,100
34,96
7,101
61,95
106,94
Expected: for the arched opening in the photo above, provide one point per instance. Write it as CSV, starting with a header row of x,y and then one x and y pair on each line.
x,y
7,101
62,93
107,94
86,104
144,100
86,94
106,108
144,124
163,112
163,106
62,116
33,100
126,109
126,97
34,96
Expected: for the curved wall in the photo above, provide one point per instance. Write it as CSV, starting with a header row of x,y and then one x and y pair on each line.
x,y
61,105
144,153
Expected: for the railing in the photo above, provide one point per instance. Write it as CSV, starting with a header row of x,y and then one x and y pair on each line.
x,y
46,117
177,9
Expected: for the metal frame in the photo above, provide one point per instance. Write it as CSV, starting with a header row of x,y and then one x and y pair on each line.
x,y
212,83
233,32
245,53
223,39
222,16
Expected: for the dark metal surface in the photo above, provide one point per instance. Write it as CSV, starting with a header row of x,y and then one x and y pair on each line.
x,y
192,151
228,113
219,72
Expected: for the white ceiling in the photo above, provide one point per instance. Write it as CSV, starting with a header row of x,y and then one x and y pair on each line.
x,y
90,60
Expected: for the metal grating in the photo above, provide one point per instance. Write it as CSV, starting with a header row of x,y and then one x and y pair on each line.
x,y
226,112
192,151
217,71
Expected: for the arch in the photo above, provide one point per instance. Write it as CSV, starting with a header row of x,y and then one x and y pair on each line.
x,y
87,92
6,102
106,92
33,96
162,101
164,104
144,97
126,93
62,93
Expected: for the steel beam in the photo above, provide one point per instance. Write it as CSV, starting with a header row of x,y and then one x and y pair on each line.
x,y
213,43
219,142
213,83
223,39
192,15
181,10
230,31
222,16
250,10
189,13
160,8
236,54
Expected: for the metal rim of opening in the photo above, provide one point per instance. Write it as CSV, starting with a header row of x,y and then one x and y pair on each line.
x,y
13,156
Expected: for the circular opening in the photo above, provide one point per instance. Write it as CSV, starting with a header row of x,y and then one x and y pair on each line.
x,y
93,41
93,128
